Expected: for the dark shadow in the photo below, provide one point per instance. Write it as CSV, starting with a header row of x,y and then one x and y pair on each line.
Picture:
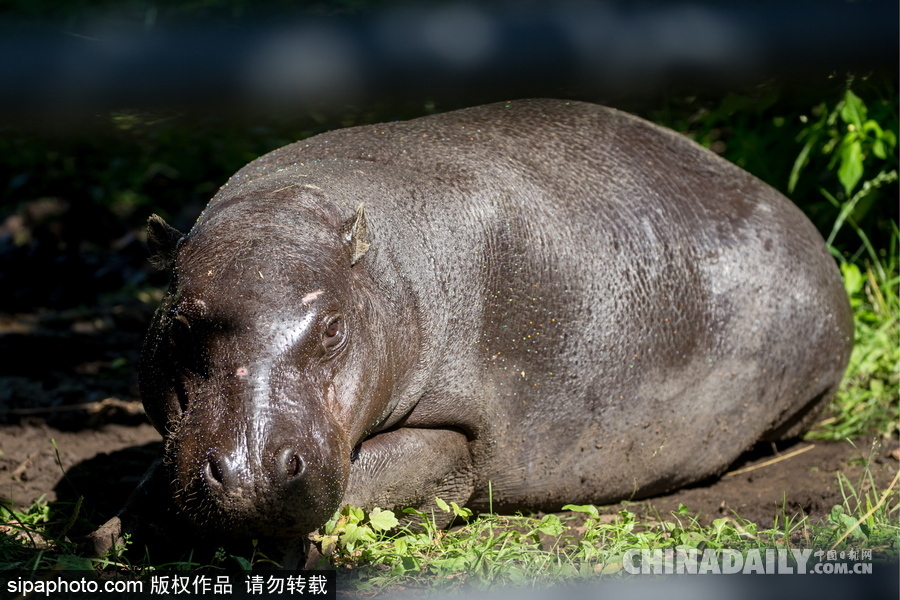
x,y
104,482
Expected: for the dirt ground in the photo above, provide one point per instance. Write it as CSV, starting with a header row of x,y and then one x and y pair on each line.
x,y
71,425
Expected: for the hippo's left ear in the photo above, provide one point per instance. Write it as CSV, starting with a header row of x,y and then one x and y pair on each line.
x,y
162,239
355,233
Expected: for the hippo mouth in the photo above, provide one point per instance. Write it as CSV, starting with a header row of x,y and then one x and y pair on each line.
x,y
253,510
286,492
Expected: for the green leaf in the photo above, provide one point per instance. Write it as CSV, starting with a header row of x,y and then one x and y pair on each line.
x,y
331,523
842,519
801,161
837,511
401,546
874,128
854,110
692,539
551,525
356,534
407,563
588,509
382,520
463,513
451,564
70,562
853,279
851,168
354,514
442,505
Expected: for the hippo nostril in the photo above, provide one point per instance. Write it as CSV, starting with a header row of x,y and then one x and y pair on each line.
x,y
295,466
292,463
212,472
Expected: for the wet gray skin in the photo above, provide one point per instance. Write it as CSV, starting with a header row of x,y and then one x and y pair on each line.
x,y
556,299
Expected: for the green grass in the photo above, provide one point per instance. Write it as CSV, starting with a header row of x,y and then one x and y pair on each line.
x,y
867,400
372,555
584,544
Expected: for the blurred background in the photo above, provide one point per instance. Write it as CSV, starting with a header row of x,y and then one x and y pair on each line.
x,y
110,111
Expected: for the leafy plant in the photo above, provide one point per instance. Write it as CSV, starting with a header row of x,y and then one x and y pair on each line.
x,y
861,151
22,535
850,137
861,155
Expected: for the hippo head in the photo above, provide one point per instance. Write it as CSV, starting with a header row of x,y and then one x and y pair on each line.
x,y
258,366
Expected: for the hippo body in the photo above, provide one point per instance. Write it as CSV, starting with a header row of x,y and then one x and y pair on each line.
x,y
550,302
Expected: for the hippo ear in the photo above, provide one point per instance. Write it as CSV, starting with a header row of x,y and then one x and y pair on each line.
x,y
355,233
162,239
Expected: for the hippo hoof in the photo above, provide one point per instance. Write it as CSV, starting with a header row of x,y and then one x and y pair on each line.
x,y
106,539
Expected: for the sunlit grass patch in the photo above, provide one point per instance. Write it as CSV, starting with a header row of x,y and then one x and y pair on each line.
x,y
867,402
585,543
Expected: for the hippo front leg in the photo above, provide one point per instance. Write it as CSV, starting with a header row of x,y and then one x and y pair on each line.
x,y
410,467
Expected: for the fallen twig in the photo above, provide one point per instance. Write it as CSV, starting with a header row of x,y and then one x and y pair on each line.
x,y
770,462
131,407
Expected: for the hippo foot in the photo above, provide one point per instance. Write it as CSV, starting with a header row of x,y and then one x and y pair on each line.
x,y
314,558
292,554
106,539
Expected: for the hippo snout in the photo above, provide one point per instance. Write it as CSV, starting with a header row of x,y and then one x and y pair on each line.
x,y
276,488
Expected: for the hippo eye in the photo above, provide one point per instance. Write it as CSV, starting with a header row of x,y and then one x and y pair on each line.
x,y
333,334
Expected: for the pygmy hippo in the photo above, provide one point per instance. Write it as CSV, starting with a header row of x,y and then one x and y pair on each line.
x,y
527,304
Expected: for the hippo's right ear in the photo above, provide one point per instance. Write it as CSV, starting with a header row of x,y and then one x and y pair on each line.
x,y
162,239
355,233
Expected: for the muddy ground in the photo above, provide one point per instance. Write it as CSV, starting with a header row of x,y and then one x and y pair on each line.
x,y
71,425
